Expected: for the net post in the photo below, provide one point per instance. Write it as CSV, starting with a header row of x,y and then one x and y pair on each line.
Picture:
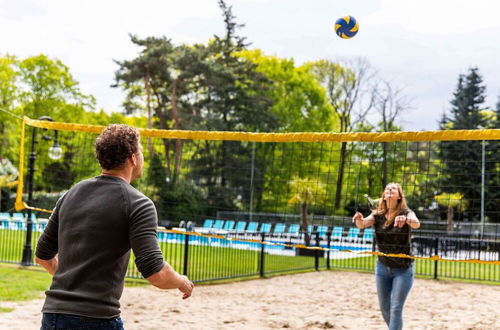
x,y
261,261
328,243
186,254
436,251
316,253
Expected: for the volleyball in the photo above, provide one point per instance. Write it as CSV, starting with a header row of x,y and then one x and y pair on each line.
x,y
346,27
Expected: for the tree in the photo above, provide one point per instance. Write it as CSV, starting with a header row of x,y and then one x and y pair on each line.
x,y
48,89
234,98
462,159
299,104
299,101
200,87
451,201
8,176
346,87
305,193
390,104
9,106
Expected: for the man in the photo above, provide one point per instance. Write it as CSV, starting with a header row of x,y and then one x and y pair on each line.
x,y
86,244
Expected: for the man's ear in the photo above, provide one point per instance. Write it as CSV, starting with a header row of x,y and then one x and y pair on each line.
x,y
133,160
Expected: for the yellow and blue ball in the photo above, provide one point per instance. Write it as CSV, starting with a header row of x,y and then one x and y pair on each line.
x,y
346,27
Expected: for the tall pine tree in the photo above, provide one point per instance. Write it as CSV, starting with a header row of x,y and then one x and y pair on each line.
x,y
462,160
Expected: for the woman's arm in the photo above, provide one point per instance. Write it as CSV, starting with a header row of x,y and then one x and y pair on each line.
x,y
412,220
361,222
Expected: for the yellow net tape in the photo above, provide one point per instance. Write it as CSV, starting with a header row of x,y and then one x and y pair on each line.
x,y
450,135
375,253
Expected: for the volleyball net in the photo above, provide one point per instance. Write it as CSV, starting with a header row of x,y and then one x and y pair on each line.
x,y
300,188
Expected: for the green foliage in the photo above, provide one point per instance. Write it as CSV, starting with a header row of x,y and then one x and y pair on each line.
x,y
306,191
299,101
9,95
49,89
181,201
462,160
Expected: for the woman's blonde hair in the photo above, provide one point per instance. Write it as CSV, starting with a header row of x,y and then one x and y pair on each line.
x,y
382,204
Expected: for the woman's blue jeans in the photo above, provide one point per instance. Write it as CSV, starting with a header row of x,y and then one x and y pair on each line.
x,y
53,321
393,286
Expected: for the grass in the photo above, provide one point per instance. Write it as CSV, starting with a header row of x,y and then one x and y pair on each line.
x,y
22,283
6,309
211,263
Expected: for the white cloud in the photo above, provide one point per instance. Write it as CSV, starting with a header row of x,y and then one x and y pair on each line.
x,y
437,17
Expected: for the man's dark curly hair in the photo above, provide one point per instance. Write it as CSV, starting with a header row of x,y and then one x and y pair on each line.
x,y
115,145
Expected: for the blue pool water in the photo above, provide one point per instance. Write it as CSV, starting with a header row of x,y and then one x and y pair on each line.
x,y
236,244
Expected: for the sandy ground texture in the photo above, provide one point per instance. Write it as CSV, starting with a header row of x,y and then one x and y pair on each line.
x,y
317,300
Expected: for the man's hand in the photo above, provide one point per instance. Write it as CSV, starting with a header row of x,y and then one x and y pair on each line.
x,y
186,288
49,265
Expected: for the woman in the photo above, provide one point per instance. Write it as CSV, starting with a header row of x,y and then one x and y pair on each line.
x,y
393,222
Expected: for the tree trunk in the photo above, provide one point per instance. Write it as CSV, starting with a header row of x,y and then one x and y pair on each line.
x,y
449,219
340,177
148,106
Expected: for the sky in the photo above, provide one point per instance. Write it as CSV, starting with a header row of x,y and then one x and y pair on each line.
x,y
419,46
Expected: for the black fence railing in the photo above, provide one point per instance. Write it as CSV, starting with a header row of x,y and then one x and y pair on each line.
x,y
238,255
243,254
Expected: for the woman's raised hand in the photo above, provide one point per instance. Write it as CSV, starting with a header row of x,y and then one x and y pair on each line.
x,y
400,221
357,216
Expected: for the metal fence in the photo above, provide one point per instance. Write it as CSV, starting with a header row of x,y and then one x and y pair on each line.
x,y
241,255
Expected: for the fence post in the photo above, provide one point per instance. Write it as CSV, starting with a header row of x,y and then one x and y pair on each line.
x,y
316,253
262,247
186,253
328,242
436,252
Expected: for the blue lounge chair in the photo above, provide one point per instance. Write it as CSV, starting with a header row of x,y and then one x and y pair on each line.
x,y
252,226
353,234
162,236
4,220
229,225
279,228
368,235
18,221
322,231
218,224
208,223
265,228
240,226
41,224
294,229
337,233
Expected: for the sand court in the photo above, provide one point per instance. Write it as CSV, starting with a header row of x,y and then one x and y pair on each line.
x,y
316,300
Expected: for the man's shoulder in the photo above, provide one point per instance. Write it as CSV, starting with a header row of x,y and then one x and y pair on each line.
x,y
136,196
